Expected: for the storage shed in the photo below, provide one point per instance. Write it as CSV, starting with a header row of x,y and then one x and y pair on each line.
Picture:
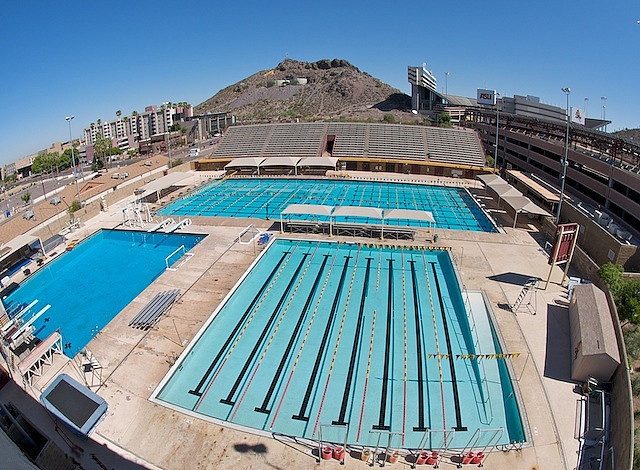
x,y
594,350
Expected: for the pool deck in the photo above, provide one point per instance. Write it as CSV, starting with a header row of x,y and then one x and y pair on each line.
x,y
134,362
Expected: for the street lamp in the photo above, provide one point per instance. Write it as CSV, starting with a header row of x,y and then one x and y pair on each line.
x,y
586,108
495,156
603,99
166,122
73,158
565,162
446,87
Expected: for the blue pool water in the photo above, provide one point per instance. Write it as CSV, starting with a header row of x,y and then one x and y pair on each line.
x,y
89,285
324,333
452,208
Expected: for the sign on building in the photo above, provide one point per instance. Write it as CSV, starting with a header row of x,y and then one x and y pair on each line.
x,y
486,96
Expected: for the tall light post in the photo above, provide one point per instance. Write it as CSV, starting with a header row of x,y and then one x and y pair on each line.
x,y
73,158
565,162
166,121
446,86
495,155
586,108
603,100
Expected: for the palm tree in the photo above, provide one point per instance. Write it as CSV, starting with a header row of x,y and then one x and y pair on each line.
x,y
118,113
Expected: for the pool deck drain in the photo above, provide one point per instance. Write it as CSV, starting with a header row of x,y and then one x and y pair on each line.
x,y
135,361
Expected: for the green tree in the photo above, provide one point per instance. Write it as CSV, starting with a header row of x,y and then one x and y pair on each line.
x,y
26,197
101,146
444,118
628,301
611,275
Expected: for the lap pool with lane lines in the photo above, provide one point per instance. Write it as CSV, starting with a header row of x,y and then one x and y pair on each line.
x,y
369,336
452,208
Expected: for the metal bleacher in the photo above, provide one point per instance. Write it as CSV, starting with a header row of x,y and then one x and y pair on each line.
x,y
151,312
353,140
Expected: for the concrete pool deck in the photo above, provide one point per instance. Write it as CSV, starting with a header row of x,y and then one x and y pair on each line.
x,y
133,361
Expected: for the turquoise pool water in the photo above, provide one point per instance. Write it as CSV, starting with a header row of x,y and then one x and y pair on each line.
x,y
375,338
89,285
452,208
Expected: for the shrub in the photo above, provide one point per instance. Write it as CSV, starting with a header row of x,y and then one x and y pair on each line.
x,y
632,343
388,117
611,275
75,206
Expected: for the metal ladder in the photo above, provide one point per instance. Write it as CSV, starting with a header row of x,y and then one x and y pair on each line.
x,y
531,283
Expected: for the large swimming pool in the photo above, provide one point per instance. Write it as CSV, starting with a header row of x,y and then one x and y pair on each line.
x,y
452,208
89,285
359,339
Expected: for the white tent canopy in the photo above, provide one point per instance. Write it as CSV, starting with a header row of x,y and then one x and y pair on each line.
x,y
503,190
308,209
491,179
357,211
319,162
524,204
156,186
253,162
280,161
409,214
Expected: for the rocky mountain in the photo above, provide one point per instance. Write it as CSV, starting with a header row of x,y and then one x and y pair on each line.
x,y
308,90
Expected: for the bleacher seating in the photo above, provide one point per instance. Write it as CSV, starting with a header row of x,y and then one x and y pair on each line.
x,y
353,140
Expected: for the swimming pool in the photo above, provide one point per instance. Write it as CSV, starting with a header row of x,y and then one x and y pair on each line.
x,y
371,337
452,208
88,286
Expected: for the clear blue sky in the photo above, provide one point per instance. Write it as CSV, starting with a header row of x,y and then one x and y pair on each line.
x,y
90,59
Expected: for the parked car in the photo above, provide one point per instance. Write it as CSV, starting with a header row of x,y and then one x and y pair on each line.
x,y
124,175
55,200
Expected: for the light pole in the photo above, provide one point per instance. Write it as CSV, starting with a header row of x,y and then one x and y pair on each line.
x,y
565,162
166,121
446,86
495,156
73,158
586,108
603,99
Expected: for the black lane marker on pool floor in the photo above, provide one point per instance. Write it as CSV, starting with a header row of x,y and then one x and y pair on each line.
x,y
387,355
316,366
416,312
229,398
452,368
198,390
354,349
294,336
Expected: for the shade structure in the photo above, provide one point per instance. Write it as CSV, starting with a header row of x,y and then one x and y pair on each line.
x,y
280,161
425,216
308,209
243,162
524,204
156,186
357,211
504,190
491,179
319,162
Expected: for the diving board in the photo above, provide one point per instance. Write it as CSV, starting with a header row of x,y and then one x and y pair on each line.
x,y
150,314
162,224
176,226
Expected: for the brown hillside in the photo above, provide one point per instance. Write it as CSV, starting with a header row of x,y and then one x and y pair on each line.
x,y
334,88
